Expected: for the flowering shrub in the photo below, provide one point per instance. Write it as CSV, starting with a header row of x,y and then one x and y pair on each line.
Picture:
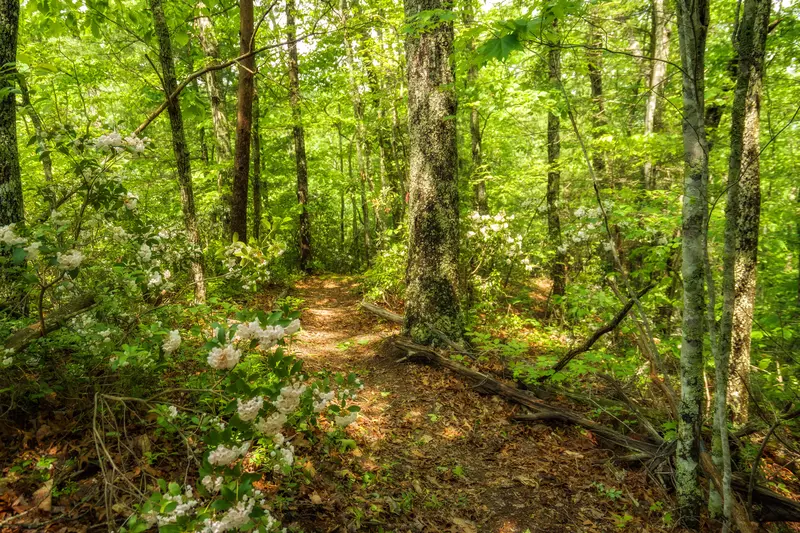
x,y
256,414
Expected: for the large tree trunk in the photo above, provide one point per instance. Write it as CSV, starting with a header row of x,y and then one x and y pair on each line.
x,y
433,307
179,147
244,119
10,180
256,148
743,208
659,51
693,18
558,270
299,138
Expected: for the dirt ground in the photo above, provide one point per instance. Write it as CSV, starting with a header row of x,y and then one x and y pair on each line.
x,y
433,455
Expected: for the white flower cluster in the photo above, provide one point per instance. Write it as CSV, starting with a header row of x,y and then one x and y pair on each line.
x,y
224,358
69,260
8,237
489,224
130,201
184,505
322,399
223,455
145,253
289,399
212,484
58,218
172,342
270,425
346,420
32,251
248,411
114,142
238,516
267,336
283,452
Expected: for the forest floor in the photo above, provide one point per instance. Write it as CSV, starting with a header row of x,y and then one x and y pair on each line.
x,y
434,455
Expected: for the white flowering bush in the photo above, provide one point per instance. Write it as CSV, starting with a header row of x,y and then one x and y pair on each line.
x,y
259,400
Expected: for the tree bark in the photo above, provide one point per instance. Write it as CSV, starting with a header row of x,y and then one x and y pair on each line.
x,y
743,208
594,65
432,297
256,175
299,138
693,17
11,206
558,270
479,200
659,51
244,119
179,146
362,150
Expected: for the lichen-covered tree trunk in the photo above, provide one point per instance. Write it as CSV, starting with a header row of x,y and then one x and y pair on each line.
x,y
693,17
11,210
659,51
743,209
298,133
244,123
433,304
256,175
594,65
479,197
558,269
219,120
179,146
362,150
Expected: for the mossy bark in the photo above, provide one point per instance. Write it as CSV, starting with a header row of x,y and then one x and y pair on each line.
x,y
298,134
256,174
433,306
11,206
693,18
558,269
743,210
179,146
659,51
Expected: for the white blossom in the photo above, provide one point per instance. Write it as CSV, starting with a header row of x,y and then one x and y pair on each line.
x,y
212,484
346,420
145,253
130,200
270,425
8,237
172,342
224,358
248,411
69,260
223,455
292,328
289,399
32,251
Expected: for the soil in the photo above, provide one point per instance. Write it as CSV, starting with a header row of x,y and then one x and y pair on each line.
x,y
433,455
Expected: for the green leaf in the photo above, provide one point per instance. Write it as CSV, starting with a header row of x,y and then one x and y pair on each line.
x,y
500,47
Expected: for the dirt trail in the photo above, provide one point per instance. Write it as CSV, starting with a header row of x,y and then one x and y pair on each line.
x,y
433,455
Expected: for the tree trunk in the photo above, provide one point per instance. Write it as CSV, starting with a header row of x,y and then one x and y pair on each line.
x,y
362,151
659,51
594,65
244,119
558,270
693,18
299,138
219,120
256,148
179,147
433,306
11,210
479,199
38,127
743,209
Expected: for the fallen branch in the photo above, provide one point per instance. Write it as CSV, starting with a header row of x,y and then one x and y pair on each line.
x,y
383,313
772,507
21,338
611,326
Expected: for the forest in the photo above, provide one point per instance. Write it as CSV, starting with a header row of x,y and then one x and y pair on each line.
x,y
399,266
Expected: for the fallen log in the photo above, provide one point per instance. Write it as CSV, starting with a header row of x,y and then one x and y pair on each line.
x,y
542,410
21,338
383,313
771,507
